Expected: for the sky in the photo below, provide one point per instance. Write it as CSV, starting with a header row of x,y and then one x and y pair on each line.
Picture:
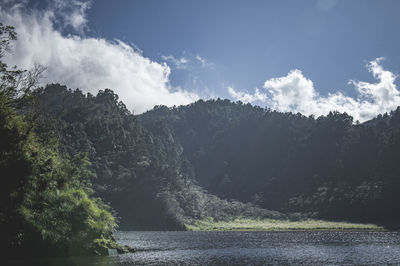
x,y
311,56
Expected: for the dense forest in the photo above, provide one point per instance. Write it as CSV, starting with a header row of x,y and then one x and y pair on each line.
x,y
75,165
326,167
141,171
222,159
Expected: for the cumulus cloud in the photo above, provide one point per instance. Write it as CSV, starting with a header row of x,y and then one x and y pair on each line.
x,y
295,93
247,97
292,92
89,63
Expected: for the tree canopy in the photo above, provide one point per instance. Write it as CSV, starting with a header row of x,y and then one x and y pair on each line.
x,y
46,197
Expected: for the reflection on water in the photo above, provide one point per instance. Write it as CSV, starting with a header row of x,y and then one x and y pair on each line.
x,y
251,248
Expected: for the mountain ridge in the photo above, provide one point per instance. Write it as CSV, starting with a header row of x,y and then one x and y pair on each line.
x,y
161,168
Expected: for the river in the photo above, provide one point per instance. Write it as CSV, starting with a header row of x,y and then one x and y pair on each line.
x,y
251,248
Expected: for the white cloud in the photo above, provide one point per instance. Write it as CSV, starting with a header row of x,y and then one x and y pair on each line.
x,y
72,13
295,93
379,97
247,97
180,63
290,92
89,63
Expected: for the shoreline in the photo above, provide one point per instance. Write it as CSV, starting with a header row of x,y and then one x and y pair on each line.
x,y
272,225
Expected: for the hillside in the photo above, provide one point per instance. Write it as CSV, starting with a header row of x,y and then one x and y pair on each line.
x,y
141,171
156,168
326,167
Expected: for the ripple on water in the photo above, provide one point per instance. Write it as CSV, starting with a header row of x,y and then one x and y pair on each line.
x,y
253,248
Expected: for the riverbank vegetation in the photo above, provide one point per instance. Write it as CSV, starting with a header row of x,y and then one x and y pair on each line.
x,y
47,203
248,224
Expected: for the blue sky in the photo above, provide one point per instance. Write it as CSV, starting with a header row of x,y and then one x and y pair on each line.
x,y
250,41
233,49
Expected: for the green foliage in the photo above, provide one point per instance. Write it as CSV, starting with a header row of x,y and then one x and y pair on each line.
x,y
71,220
245,224
164,164
45,198
140,171
326,167
45,191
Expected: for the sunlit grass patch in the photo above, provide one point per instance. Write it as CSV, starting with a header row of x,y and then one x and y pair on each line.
x,y
247,224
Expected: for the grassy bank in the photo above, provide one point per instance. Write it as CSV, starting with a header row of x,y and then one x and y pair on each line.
x,y
245,224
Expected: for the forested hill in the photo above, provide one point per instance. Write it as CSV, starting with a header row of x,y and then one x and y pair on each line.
x,y
221,159
140,171
326,167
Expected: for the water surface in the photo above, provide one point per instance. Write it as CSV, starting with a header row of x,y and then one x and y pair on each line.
x,y
257,248
250,248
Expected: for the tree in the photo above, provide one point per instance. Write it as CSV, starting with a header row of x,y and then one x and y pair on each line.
x,y
46,201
